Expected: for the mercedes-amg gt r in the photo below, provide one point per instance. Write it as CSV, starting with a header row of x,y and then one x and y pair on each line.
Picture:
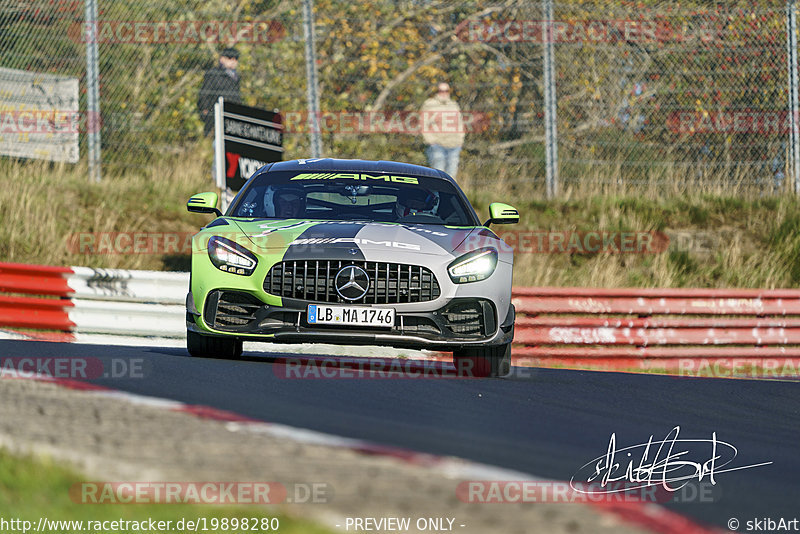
x,y
352,252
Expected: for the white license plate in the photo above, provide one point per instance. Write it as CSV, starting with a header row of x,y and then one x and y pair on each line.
x,y
350,315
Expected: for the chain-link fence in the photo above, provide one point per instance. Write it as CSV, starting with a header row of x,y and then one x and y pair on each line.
x,y
652,91
675,93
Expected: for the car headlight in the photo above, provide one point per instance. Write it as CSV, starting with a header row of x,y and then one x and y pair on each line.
x,y
473,267
230,257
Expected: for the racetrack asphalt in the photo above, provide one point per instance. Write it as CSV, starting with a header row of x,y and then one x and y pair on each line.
x,y
545,422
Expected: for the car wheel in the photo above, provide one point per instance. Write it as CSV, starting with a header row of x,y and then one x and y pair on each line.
x,y
213,347
483,361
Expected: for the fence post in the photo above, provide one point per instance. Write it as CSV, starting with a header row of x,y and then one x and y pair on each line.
x,y
92,92
312,84
794,131
550,103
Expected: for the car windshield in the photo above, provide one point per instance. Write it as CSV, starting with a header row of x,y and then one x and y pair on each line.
x,y
341,196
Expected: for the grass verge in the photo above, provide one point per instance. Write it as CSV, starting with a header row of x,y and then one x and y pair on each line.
x,y
33,488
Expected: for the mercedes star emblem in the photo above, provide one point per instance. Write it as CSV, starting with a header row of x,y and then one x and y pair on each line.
x,y
351,282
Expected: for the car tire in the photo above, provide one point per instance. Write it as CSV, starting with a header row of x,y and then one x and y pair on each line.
x,y
213,347
483,361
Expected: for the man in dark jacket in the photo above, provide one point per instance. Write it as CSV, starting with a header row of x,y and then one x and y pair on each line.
x,y
220,81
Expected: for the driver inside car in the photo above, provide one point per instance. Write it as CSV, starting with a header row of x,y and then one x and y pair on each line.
x,y
285,202
416,201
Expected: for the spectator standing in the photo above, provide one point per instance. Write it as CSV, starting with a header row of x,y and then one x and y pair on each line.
x,y
219,81
442,130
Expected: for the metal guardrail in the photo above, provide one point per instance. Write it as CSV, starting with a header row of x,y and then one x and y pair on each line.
x,y
583,323
553,324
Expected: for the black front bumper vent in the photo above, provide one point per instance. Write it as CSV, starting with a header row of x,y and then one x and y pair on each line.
x,y
231,309
313,280
469,318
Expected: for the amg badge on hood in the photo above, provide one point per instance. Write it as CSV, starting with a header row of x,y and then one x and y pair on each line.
x,y
355,241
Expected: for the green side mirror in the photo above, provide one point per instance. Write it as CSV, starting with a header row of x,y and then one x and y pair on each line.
x,y
204,203
500,213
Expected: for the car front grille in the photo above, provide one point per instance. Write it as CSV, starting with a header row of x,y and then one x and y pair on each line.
x,y
313,280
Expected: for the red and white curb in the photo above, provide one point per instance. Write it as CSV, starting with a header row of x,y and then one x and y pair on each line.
x,y
85,300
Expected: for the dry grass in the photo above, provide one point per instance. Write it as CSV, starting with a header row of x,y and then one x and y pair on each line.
x,y
43,205
744,239
732,236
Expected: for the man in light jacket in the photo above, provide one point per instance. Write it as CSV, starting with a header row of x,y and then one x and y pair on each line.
x,y
442,130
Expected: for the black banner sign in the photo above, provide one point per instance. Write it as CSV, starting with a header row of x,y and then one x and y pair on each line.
x,y
252,138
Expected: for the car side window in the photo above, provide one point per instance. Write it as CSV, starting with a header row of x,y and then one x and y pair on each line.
x,y
252,204
450,209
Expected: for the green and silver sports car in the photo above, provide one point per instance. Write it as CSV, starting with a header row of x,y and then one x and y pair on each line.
x,y
352,252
